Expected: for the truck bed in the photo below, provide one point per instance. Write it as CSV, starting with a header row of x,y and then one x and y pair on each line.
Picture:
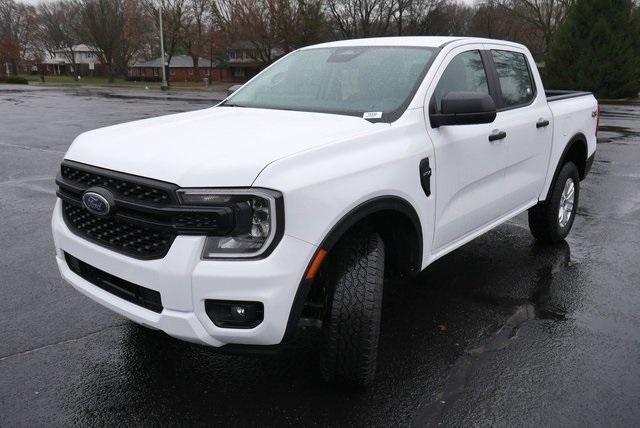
x,y
556,94
573,115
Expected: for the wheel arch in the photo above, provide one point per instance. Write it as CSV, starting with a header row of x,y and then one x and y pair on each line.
x,y
372,212
575,151
404,250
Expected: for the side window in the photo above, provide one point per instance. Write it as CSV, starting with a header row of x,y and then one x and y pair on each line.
x,y
515,78
465,72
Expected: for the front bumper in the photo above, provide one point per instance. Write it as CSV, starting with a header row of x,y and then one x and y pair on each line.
x,y
184,282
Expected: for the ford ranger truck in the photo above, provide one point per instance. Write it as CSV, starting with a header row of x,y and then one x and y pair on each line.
x,y
290,202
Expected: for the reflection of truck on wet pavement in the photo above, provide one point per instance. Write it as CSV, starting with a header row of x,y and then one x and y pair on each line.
x,y
290,202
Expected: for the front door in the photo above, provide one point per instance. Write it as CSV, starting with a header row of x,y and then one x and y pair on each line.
x,y
469,171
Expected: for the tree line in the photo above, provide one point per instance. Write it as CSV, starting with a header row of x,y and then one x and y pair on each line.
x,y
127,30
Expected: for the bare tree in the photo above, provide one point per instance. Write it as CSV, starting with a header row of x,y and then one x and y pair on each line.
x,y
103,24
265,24
451,19
201,12
17,25
136,37
176,21
415,17
545,16
285,15
311,23
362,18
257,21
117,28
485,22
57,26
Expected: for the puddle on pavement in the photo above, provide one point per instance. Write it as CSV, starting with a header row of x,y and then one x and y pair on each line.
x,y
618,115
538,307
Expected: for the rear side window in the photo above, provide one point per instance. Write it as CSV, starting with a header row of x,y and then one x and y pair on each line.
x,y
465,72
515,78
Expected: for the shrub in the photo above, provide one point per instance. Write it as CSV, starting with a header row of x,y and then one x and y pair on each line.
x,y
143,79
15,80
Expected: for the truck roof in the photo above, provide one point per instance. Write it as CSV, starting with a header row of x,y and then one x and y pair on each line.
x,y
426,41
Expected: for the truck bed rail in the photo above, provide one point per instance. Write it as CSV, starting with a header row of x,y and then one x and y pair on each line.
x,y
557,95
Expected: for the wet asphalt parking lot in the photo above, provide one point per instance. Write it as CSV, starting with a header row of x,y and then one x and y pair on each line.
x,y
502,332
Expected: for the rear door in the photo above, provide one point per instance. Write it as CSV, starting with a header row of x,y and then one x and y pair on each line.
x,y
469,170
526,118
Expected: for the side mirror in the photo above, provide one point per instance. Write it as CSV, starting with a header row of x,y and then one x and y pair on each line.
x,y
464,108
232,89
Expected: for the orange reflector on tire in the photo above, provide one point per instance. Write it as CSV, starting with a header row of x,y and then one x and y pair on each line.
x,y
315,263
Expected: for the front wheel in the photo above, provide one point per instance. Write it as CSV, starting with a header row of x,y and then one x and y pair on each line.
x,y
352,323
551,220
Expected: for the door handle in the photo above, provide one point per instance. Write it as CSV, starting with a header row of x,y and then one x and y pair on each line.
x,y
542,123
497,136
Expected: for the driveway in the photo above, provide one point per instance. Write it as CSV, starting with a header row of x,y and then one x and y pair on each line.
x,y
503,331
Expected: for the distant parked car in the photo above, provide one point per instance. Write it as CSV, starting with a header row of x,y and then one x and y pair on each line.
x,y
232,89
291,201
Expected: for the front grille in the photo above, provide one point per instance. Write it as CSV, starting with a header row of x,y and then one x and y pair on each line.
x,y
126,290
145,215
121,236
134,189
197,220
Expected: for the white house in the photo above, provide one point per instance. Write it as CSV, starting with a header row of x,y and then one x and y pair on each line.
x,y
86,57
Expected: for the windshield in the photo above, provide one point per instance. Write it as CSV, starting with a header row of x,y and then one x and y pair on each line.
x,y
379,81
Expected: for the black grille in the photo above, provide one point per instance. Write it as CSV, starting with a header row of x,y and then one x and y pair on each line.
x,y
126,188
121,236
126,290
197,220
145,215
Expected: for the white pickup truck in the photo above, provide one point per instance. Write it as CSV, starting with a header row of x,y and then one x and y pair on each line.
x,y
290,202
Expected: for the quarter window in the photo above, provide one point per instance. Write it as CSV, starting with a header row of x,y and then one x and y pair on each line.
x,y
465,72
514,76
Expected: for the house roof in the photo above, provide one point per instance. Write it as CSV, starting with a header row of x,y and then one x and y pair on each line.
x,y
242,44
85,48
80,48
177,61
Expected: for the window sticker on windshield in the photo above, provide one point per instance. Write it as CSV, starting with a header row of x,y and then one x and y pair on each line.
x,y
372,115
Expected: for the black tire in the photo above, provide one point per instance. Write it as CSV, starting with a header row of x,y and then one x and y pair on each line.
x,y
543,218
352,322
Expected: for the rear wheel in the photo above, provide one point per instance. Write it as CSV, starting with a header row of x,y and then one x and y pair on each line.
x,y
551,220
352,322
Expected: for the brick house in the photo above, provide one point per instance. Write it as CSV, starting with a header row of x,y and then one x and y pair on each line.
x,y
180,69
238,63
242,62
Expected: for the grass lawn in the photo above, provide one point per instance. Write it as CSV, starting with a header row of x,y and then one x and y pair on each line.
x,y
122,83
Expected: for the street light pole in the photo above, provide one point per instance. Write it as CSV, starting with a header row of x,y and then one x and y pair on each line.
x,y
164,73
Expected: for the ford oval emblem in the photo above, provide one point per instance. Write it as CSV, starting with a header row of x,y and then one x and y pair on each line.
x,y
96,204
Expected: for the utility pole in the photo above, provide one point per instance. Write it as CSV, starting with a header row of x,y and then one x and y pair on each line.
x,y
164,86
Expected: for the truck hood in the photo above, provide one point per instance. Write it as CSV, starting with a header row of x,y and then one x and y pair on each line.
x,y
216,147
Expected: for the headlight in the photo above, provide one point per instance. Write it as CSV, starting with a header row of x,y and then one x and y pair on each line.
x,y
255,213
